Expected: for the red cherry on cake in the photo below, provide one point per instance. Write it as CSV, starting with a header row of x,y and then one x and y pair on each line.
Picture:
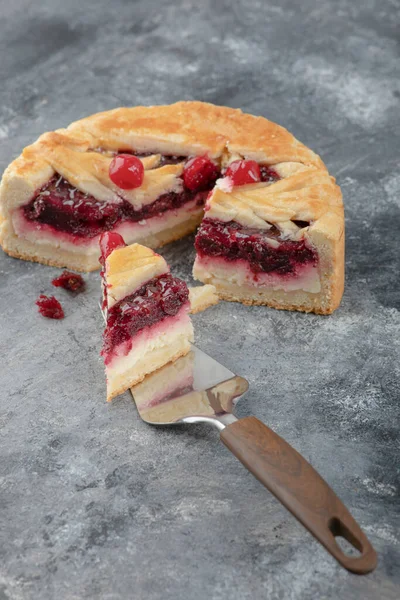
x,y
109,241
242,172
199,173
126,171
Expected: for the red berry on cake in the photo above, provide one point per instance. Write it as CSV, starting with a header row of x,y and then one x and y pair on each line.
x,y
199,173
126,171
243,172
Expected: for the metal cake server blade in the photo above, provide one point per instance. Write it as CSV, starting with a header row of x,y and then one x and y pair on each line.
x,y
192,389
196,388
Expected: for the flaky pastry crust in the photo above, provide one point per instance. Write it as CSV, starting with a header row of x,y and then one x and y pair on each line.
x,y
128,268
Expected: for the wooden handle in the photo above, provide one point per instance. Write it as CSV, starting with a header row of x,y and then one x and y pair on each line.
x,y
295,483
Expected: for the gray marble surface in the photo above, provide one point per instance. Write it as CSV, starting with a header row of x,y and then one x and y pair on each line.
x,y
93,502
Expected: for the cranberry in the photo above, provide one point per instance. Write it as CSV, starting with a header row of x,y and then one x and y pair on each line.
x,y
199,173
126,171
243,172
109,241
69,281
50,307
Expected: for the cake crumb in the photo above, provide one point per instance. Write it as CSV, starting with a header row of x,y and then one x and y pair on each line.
x,y
202,297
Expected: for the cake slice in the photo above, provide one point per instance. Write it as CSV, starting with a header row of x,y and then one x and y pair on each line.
x,y
278,243
147,313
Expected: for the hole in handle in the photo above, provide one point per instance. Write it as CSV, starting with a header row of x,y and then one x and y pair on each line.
x,y
347,542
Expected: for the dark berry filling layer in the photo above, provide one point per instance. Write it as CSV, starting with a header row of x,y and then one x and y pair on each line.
x,y
159,298
67,209
231,241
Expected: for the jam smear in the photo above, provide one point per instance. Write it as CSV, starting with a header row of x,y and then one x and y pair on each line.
x,y
159,298
231,241
171,159
109,241
166,159
50,307
69,281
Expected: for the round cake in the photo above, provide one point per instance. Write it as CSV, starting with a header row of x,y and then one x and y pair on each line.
x,y
272,221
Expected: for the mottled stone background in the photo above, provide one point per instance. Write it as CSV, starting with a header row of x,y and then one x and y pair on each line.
x,y
96,504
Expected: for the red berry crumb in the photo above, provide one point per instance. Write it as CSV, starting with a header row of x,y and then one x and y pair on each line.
x,y
199,173
243,172
50,307
126,171
69,281
109,241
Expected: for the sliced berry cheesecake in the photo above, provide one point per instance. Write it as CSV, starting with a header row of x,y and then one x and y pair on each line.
x,y
278,242
147,313
145,173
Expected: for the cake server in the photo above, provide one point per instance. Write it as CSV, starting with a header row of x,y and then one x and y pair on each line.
x,y
196,388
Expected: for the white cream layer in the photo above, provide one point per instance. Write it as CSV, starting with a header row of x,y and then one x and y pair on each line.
x,y
238,272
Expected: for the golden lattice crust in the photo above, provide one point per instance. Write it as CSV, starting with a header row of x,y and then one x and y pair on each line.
x,y
184,128
195,128
303,196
